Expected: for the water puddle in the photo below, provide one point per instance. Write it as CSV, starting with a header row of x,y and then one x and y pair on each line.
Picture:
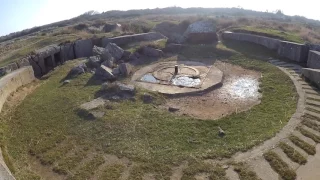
x,y
149,78
186,81
244,88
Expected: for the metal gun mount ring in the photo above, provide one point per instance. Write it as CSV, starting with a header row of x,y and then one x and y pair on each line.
x,y
167,72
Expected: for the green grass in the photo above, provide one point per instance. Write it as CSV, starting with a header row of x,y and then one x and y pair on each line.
x,y
197,167
294,155
311,125
48,119
303,145
310,135
112,172
88,169
244,172
273,33
282,168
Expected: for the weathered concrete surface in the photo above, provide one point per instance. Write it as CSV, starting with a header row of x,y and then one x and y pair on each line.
x,y
13,81
312,74
9,84
201,32
83,48
314,60
122,40
293,51
270,43
67,52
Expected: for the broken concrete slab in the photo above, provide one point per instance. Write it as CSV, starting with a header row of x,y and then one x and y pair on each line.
x,y
125,69
102,52
104,73
93,62
93,104
115,51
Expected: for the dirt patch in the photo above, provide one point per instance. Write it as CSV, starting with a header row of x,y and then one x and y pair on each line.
x,y
238,93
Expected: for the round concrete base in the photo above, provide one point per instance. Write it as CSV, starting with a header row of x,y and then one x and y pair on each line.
x,y
210,76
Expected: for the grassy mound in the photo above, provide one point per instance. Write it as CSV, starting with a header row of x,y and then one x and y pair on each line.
x,y
47,126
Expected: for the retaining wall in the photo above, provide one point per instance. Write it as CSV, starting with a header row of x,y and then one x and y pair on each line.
x,y
312,75
269,43
290,50
9,84
45,59
314,60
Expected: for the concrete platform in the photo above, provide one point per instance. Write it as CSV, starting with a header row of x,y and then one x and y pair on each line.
x,y
210,77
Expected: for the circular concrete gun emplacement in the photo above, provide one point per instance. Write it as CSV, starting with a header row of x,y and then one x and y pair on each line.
x,y
178,77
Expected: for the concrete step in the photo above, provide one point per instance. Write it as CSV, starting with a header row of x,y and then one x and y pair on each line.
x,y
311,130
314,115
304,138
310,171
312,91
312,102
279,63
307,87
231,174
313,97
285,158
313,108
298,149
263,169
304,83
312,120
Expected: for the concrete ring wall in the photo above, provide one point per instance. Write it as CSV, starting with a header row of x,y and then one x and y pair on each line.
x,y
9,84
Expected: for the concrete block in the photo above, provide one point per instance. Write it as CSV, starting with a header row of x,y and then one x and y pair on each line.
x,y
293,51
47,51
67,52
314,60
312,75
83,48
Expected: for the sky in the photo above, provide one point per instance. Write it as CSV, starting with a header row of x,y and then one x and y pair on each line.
x,y
16,15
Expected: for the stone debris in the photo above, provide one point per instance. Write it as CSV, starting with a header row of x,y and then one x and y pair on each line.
x,y
126,55
221,132
97,114
109,62
105,86
152,52
76,71
173,109
93,62
115,51
105,73
93,104
102,52
147,98
66,82
125,88
116,71
111,27
125,69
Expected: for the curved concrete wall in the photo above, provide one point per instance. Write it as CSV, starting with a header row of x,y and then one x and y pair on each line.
x,y
269,43
9,84
290,50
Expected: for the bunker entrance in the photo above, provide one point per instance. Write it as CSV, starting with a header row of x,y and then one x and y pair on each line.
x,y
57,59
49,63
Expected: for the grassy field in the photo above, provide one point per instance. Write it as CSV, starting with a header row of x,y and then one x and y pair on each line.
x,y
47,126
